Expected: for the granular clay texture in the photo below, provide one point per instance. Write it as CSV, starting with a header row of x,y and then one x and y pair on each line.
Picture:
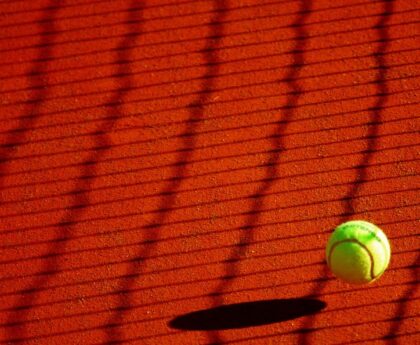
x,y
170,171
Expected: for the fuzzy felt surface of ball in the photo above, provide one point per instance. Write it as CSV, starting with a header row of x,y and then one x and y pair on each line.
x,y
358,252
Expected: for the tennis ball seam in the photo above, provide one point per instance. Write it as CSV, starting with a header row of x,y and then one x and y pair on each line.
x,y
373,232
372,275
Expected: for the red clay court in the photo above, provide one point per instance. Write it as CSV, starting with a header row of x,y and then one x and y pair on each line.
x,y
171,170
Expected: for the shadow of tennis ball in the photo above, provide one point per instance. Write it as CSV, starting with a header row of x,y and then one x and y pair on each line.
x,y
247,314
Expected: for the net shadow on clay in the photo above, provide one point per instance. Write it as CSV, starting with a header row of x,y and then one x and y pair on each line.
x,y
197,109
80,201
272,170
372,142
17,137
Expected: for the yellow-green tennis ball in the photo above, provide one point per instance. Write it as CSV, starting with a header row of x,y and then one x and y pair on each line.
x,y
358,252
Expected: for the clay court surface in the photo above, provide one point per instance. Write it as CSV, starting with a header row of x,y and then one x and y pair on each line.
x,y
170,171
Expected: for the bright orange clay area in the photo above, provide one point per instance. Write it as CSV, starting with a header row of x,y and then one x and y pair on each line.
x,y
170,170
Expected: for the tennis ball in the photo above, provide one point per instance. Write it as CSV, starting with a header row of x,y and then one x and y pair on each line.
x,y
358,252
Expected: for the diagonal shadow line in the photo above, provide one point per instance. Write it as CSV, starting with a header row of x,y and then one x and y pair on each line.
x,y
91,2
75,268
159,30
366,94
110,280
195,39
187,15
253,44
184,298
225,88
28,121
178,41
151,168
107,280
198,251
159,194
131,244
265,211
155,167
125,300
201,51
203,23
127,215
120,199
138,321
179,2
80,4
198,65
259,338
256,139
402,306
393,339
69,221
172,269
227,200
194,297
246,237
120,185
17,136
176,135
164,17
221,75
249,340
373,131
